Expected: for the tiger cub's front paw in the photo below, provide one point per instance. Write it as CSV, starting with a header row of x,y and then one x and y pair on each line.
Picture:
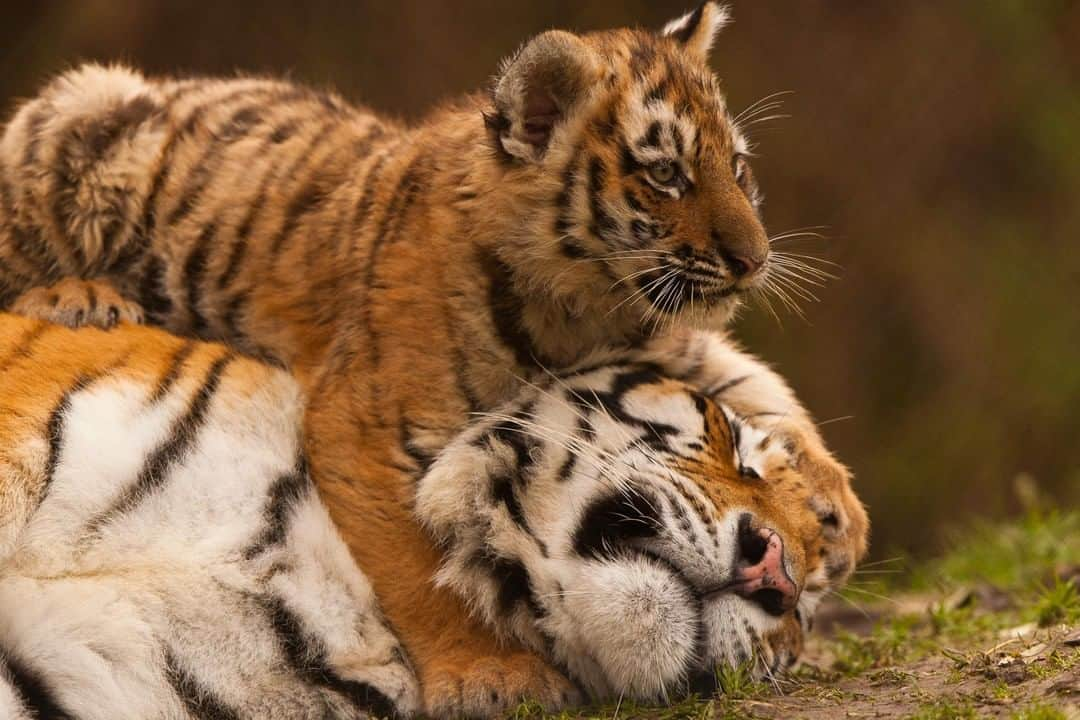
x,y
489,687
78,303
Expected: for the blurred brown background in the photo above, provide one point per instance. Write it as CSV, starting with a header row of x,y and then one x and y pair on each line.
x,y
938,142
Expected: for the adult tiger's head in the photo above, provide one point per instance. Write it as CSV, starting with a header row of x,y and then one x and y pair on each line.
x,y
641,196
639,532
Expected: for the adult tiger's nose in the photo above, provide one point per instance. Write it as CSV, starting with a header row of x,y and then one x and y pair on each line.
x,y
760,575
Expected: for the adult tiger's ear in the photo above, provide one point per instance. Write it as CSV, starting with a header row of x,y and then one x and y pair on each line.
x,y
537,88
697,29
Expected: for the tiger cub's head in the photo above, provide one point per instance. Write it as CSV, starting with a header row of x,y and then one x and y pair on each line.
x,y
639,533
640,190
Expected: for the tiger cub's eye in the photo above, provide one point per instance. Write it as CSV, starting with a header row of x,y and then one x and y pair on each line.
x,y
662,173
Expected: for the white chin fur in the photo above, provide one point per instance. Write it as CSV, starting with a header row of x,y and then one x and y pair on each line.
x,y
637,621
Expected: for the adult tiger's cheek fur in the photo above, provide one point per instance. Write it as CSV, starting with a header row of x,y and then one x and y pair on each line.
x,y
635,622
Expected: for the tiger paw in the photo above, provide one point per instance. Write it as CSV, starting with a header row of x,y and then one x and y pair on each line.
x,y
490,686
78,303
389,689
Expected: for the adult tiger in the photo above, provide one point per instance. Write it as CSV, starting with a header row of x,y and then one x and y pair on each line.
x,y
163,553
406,276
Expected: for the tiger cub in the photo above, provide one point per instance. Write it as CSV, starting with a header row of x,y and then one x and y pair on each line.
x,y
408,276
163,553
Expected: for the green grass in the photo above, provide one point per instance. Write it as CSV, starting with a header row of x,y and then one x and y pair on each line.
x,y
1057,603
945,709
1009,555
1039,712
890,643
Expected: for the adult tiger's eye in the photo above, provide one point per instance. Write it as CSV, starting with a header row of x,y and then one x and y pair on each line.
x,y
662,173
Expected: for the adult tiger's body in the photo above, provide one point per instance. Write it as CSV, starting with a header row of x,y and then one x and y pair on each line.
x,y
407,276
163,553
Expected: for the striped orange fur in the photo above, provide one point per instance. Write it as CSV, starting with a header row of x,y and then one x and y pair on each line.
x,y
408,276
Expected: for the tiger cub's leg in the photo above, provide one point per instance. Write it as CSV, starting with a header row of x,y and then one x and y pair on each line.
x,y
75,303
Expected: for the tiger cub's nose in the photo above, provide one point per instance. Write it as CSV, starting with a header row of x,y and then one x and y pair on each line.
x,y
742,265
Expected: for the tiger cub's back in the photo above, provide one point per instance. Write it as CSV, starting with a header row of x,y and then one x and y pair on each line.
x,y
162,549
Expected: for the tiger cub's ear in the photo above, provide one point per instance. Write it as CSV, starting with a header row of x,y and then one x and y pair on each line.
x,y
537,88
697,29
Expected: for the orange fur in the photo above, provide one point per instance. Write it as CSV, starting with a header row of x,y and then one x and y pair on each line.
x,y
407,276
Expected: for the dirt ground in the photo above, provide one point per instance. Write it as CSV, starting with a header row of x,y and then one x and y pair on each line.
x,y
1014,672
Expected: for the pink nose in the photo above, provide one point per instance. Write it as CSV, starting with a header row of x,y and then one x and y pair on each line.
x,y
760,575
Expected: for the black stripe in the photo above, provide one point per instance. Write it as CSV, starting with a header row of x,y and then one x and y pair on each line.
x,y
211,159
200,701
307,200
230,317
54,432
717,390
651,138
236,257
421,459
659,91
155,472
172,373
502,491
632,201
408,186
104,131
186,127
677,135
154,300
284,131
194,270
310,194
31,689
570,246
132,251
27,242
243,232
286,492
370,185
307,657
512,580
612,522
584,429
21,348
506,309
231,331
628,162
603,225
461,375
